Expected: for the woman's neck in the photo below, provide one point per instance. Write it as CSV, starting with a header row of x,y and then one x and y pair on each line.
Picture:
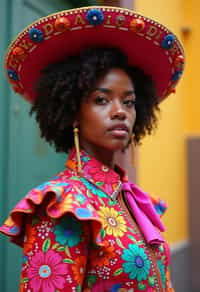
x,y
103,155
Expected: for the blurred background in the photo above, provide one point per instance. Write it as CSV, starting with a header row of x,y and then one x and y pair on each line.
x,y
168,162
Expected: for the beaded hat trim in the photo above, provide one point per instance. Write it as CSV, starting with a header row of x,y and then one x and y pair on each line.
x,y
148,44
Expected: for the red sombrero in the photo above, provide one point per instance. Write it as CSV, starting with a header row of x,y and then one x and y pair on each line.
x,y
148,44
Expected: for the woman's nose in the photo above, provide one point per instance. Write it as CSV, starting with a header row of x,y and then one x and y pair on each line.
x,y
118,111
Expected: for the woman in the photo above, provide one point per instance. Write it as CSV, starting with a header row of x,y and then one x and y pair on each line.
x,y
93,76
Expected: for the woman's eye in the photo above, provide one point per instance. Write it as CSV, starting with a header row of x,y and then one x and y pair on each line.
x,y
100,100
130,102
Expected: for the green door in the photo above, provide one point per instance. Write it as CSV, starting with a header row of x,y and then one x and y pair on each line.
x,y
26,159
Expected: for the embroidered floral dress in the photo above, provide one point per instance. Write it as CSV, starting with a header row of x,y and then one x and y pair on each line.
x,y
78,233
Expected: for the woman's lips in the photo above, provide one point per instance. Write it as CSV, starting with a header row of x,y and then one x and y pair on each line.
x,y
119,131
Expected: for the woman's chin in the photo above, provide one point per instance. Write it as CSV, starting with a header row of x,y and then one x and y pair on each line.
x,y
118,146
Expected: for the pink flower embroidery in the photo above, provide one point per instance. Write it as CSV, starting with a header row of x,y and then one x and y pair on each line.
x,y
46,272
101,173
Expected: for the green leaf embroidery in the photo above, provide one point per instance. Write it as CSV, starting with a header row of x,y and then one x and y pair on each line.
x,y
139,242
131,230
91,280
61,248
118,272
141,286
74,177
55,245
46,245
67,251
132,237
69,261
78,288
99,183
112,203
25,280
119,243
102,233
151,281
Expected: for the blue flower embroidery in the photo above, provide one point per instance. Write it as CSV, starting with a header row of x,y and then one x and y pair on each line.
x,y
95,16
13,75
36,35
83,213
68,231
162,273
168,41
176,75
138,264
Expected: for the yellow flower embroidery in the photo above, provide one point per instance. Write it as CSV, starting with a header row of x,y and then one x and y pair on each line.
x,y
113,222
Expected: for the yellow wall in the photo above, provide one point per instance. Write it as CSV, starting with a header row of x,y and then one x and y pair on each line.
x,y
191,20
161,163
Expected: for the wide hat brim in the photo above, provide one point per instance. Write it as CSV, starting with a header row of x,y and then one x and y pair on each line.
x,y
148,44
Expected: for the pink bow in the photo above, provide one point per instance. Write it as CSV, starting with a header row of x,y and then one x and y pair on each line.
x,y
144,213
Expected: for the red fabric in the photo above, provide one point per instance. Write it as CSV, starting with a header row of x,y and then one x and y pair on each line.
x,y
76,238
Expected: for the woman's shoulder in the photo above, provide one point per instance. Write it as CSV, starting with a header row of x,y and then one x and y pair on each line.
x,y
63,194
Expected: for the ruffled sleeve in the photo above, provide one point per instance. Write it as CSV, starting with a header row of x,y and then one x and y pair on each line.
x,y
60,199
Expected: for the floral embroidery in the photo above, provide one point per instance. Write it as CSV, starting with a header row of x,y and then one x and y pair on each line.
x,y
103,255
79,268
93,188
47,271
101,175
80,198
112,221
68,231
66,203
83,213
137,265
63,254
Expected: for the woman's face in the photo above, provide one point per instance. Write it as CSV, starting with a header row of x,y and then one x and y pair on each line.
x,y
107,116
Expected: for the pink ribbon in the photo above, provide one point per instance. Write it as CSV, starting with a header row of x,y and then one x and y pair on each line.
x,y
144,213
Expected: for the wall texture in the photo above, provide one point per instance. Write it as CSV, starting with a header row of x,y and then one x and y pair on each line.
x,y
161,169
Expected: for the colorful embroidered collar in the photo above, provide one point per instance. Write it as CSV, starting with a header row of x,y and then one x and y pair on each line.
x,y
98,174
111,183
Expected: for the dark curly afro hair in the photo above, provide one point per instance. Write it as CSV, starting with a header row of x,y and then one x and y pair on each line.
x,y
63,85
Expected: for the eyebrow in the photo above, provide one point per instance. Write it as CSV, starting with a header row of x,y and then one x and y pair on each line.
x,y
106,90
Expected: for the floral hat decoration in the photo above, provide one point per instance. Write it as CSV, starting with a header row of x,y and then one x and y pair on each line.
x,y
148,44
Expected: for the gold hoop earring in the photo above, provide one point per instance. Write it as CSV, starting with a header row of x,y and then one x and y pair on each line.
x,y
77,147
132,146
